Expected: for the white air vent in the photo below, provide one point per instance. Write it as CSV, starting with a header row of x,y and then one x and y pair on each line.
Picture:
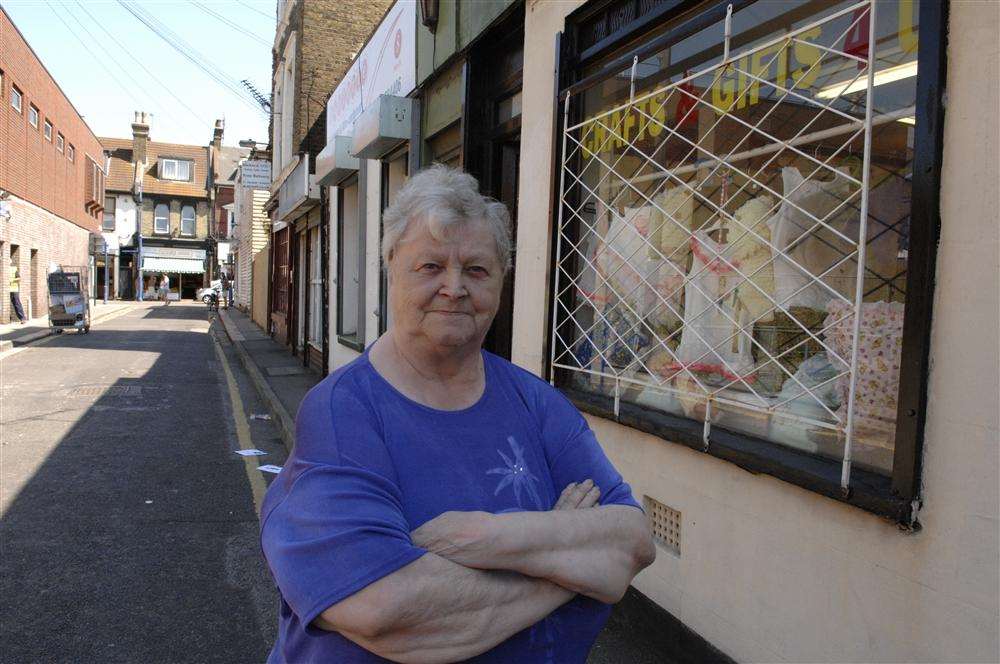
x,y
665,523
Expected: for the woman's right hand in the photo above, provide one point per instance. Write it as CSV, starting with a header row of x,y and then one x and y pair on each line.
x,y
578,495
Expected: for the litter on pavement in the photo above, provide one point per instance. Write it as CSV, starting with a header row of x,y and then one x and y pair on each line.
x,y
260,416
251,452
269,468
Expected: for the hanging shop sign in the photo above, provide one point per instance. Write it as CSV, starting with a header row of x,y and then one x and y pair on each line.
x,y
386,65
336,162
383,126
255,174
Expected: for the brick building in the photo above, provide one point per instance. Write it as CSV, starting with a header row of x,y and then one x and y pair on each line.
x,y
169,187
51,174
314,45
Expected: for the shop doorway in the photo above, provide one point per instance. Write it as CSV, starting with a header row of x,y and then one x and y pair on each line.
x,y
493,142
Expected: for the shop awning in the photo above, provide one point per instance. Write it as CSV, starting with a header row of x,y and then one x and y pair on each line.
x,y
182,265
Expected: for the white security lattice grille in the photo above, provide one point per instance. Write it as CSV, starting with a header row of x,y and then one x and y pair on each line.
x,y
682,268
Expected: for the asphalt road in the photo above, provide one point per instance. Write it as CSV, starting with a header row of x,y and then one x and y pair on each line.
x,y
129,531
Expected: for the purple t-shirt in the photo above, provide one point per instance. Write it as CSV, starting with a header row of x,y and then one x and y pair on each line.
x,y
370,465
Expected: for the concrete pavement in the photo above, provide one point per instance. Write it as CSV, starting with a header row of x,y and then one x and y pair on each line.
x,y
129,529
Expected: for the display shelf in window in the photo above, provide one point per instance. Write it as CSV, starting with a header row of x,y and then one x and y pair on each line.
x,y
733,224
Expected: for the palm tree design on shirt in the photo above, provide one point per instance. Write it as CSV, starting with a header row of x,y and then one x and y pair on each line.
x,y
515,474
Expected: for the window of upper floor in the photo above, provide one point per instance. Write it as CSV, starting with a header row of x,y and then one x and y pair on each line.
x,y
161,219
48,131
71,152
60,142
16,98
33,115
187,220
176,169
108,220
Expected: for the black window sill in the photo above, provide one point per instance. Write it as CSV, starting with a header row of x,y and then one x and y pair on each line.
x,y
868,491
351,342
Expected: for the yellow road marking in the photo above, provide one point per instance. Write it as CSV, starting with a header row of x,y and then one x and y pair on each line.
x,y
257,485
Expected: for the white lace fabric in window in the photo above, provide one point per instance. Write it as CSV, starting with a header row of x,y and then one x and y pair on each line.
x,y
813,248
709,342
634,279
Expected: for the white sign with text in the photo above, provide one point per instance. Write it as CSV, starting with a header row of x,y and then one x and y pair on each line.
x,y
387,65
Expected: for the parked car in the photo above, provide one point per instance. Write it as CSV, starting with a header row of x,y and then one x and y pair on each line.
x,y
205,294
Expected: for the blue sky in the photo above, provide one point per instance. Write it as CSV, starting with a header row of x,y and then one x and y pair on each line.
x,y
107,83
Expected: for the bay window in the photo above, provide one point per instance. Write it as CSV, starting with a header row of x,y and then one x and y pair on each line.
x,y
736,226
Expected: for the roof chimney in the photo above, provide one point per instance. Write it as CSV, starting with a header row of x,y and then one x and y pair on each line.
x,y
220,127
140,137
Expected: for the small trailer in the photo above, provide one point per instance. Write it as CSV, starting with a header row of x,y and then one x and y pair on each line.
x,y
69,300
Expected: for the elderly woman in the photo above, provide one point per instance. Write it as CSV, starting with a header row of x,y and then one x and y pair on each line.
x,y
442,504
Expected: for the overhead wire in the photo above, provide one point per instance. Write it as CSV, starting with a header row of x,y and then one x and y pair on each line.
x,y
153,76
182,47
231,24
254,9
135,83
125,88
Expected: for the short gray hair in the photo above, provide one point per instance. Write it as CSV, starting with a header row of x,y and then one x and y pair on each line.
x,y
443,197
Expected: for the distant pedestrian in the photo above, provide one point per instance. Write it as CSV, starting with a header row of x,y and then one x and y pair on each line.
x,y
227,289
15,294
165,289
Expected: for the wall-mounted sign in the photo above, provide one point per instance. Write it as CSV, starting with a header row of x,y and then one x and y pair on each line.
x,y
387,65
255,174
173,252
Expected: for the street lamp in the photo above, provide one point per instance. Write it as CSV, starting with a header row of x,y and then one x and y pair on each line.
x,y
429,13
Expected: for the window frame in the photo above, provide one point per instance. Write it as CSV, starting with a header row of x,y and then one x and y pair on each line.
x,y
60,142
33,110
16,99
113,210
161,169
355,340
70,152
193,220
898,495
47,130
156,207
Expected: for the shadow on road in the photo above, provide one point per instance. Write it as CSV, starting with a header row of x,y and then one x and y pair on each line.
x,y
128,531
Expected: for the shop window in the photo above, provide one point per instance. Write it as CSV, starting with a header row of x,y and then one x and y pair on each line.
x,y
108,220
394,175
161,219
187,221
350,267
733,265
315,288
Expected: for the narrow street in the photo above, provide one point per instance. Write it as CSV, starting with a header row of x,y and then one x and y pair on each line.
x,y
129,529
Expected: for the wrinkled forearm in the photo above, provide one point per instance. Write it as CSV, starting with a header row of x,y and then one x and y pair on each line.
x,y
434,610
595,552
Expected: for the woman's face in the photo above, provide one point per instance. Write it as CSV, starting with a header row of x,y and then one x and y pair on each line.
x,y
445,292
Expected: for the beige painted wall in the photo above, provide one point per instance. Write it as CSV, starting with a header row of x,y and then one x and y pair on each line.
x,y
771,572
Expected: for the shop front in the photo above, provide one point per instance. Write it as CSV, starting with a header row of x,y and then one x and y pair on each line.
x,y
372,145
739,233
185,268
